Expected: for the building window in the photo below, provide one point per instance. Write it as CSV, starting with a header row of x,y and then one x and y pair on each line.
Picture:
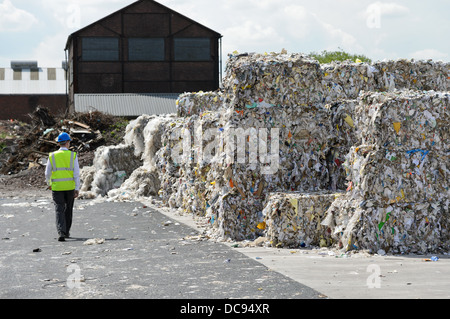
x,y
51,74
192,49
17,75
34,75
100,49
146,49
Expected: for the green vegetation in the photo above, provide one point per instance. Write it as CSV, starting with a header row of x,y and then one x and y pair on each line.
x,y
3,136
111,127
114,133
329,56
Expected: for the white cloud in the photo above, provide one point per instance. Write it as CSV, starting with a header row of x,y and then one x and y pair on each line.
x,y
273,26
307,28
430,54
336,37
70,15
298,22
249,36
50,51
13,19
379,29
76,14
378,10
387,9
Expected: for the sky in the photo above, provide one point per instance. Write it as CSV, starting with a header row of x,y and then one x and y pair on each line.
x,y
393,29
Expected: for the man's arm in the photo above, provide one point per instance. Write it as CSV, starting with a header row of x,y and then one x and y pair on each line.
x,y
48,172
76,176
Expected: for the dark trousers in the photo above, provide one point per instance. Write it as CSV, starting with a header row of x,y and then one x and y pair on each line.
x,y
63,201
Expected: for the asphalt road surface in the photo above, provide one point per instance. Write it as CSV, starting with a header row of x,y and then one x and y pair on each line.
x,y
125,250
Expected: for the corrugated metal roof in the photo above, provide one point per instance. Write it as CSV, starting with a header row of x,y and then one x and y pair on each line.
x,y
127,104
39,81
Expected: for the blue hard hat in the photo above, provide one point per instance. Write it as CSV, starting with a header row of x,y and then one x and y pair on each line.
x,y
63,137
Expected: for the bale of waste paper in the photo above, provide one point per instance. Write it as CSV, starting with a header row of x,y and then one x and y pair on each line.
x,y
296,79
345,80
274,79
404,119
420,75
398,176
294,219
399,228
193,103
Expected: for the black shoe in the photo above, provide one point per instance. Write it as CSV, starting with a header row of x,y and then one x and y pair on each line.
x,y
61,238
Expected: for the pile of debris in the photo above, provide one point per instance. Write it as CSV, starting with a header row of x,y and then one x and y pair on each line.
x,y
24,147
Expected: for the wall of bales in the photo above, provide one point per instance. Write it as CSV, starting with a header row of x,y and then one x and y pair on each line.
x,y
312,121
399,193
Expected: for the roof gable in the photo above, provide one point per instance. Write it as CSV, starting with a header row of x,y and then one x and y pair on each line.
x,y
109,23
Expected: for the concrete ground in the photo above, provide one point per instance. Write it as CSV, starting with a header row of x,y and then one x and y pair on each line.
x,y
124,250
354,275
139,250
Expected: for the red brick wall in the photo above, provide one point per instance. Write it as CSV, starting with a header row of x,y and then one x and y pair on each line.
x,y
18,106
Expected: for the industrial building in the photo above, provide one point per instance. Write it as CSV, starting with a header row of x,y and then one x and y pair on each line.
x,y
144,48
25,85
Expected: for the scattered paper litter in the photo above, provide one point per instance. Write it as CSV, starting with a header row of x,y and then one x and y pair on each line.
x,y
94,241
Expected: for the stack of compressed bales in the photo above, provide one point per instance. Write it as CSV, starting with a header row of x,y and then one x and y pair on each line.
x,y
284,123
232,162
175,162
296,140
399,193
269,134
287,92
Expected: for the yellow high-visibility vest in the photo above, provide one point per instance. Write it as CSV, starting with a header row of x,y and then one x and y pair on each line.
x,y
62,170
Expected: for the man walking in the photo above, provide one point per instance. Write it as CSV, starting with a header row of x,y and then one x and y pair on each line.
x,y
63,176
